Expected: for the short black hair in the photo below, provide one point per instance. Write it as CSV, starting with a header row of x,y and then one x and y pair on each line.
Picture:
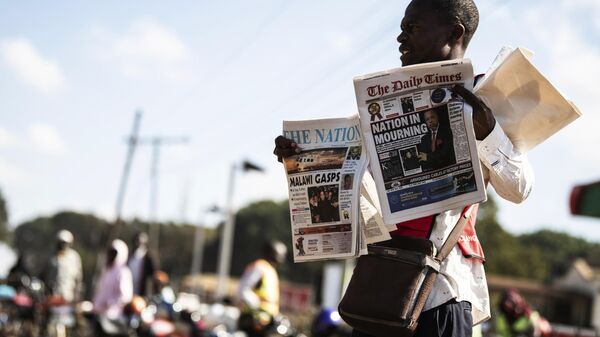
x,y
457,11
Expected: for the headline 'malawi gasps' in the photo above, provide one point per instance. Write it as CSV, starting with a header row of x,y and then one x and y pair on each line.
x,y
412,82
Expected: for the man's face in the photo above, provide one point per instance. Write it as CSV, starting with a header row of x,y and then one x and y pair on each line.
x,y
431,119
424,37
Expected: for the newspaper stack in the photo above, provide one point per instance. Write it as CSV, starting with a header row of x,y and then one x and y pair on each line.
x,y
420,140
324,183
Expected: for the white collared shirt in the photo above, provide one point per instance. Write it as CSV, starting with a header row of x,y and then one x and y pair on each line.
x,y
460,278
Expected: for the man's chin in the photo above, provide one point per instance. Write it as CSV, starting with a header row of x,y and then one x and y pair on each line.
x,y
407,60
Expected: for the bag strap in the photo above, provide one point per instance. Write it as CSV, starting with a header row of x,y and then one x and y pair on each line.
x,y
455,234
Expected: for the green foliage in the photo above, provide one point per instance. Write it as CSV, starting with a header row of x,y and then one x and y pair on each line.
x,y
3,219
539,256
559,249
255,224
503,251
36,239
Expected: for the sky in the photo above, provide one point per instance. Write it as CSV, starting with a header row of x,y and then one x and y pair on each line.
x,y
225,74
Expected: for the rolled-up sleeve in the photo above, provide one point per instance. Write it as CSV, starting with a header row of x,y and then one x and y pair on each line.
x,y
509,170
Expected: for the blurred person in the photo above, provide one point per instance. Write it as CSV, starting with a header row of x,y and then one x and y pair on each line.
x,y
17,272
258,290
516,318
164,289
114,289
439,30
63,274
328,323
143,266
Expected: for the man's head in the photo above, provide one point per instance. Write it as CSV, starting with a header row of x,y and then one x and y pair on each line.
x,y
141,239
64,239
275,252
431,119
436,30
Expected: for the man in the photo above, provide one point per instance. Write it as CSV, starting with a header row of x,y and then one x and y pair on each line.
x,y
354,153
142,267
436,149
410,161
517,318
438,30
258,290
63,274
347,182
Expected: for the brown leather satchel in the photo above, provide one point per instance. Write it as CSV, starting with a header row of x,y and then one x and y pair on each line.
x,y
390,285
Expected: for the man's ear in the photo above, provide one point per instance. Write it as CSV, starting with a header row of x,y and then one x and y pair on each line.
x,y
457,32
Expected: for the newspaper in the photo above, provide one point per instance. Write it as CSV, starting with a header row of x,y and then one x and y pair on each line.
x,y
420,140
324,187
528,106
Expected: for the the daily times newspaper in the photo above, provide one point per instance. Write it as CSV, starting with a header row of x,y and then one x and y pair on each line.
x,y
324,182
420,139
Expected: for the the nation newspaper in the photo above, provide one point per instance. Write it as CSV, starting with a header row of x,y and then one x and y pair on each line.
x,y
324,187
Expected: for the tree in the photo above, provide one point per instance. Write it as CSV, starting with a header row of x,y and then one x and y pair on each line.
x,y
505,255
560,249
3,219
35,240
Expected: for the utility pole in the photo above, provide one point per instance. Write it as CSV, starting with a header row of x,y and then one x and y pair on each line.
x,y
132,142
156,142
226,242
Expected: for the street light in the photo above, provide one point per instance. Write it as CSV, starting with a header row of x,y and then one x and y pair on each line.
x,y
196,267
227,236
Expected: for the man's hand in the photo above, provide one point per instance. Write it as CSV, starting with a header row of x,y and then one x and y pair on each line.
x,y
483,119
422,156
285,147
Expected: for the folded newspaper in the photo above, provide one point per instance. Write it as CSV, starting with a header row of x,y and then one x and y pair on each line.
x,y
420,140
528,107
324,187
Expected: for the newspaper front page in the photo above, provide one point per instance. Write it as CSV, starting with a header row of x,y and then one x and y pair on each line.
x,y
420,139
324,187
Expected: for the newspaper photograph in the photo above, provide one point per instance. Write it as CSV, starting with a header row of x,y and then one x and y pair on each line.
x,y
420,140
324,187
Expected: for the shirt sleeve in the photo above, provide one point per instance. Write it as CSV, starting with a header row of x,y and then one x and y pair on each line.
x,y
249,280
510,171
125,286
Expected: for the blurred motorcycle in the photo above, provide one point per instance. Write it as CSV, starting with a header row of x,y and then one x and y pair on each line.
x,y
20,312
329,323
61,317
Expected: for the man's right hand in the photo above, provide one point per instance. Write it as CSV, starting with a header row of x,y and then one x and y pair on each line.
x,y
285,147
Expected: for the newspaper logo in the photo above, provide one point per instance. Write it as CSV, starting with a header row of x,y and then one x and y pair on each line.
x,y
375,111
438,95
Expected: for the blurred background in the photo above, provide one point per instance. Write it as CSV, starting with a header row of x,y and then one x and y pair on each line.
x,y
211,83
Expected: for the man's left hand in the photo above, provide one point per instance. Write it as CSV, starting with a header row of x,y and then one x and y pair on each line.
x,y
483,119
